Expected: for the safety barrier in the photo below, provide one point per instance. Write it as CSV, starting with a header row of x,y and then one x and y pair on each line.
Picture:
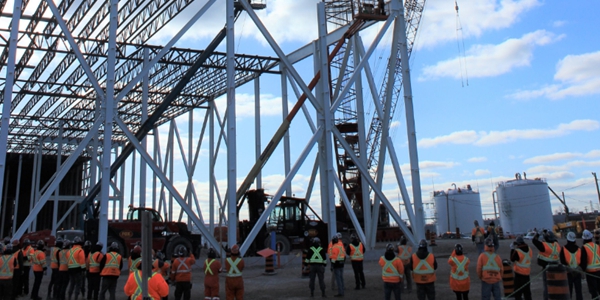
x,y
556,282
269,268
508,278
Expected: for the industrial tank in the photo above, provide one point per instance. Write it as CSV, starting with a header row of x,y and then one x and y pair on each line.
x,y
524,204
457,207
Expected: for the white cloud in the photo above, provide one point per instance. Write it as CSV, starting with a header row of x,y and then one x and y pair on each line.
x,y
477,159
482,172
551,157
502,137
593,154
492,60
476,16
270,105
577,75
559,23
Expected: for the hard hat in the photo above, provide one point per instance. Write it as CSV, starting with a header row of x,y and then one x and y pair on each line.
x,y
339,235
571,236
353,236
389,247
136,250
489,242
423,243
6,240
26,242
66,244
476,223
183,251
235,249
40,244
458,248
335,239
77,240
212,253
59,240
587,235
87,243
8,248
114,246
316,240
403,240
99,244
160,255
549,237
520,240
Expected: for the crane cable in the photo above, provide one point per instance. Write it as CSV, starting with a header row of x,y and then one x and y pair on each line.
x,y
460,41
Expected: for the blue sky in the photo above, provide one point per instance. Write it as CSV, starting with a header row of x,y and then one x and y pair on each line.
x,y
523,96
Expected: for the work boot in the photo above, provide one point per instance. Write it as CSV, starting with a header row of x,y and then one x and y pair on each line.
x,y
312,293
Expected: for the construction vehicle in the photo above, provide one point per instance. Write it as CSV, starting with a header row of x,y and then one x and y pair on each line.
x,y
166,236
290,221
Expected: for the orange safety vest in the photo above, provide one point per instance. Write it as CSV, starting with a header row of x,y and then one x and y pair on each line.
x,y
7,266
573,259
63,264
478,233
27,256
404,253
53,258
94,262
491,270
459,273
551,252
111,267
423,271
38,260
339,255
593,257
391,270
76,257
182,269
356,253
523,265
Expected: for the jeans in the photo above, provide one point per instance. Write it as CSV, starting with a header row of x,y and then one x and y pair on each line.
x,y
339,279
574,279
316,270
426,290
93,285
479,247
408,278
109,283
389,287
359,275
489,289
53,284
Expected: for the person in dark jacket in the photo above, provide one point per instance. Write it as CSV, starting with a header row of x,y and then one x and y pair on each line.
x,y
423,266
549,253
317,260
110,270
17,274
570,256
356,252
492,232
520,255
589,250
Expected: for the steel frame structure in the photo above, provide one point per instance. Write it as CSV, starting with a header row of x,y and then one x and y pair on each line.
x,y
84,81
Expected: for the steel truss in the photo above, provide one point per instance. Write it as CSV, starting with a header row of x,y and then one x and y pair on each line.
x,y
82,86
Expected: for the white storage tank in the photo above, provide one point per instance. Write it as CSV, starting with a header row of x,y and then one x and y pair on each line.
x,y
524,204
457,207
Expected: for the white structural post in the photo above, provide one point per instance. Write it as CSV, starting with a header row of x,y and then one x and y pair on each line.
x,y
145,92
257,136
231,129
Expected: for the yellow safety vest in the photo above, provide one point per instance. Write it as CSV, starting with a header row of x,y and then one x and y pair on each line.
x,y
233,269
6,271
460,269
593,265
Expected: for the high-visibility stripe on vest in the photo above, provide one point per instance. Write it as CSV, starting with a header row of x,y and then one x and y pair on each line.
x,y
389,270
63,263
523,265
460,273
316,258
208,263
341,255
27,256
182,264
7,267
138,280
111,267
424,272
573,259
592,251
233,267
38,260
356,252
53,258
404,253
551,252
491,265
73,263
94,265
134,264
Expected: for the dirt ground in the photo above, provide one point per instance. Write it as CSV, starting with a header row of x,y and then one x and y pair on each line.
x,y
288,282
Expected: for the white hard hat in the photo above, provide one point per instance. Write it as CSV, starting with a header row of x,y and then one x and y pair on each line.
x,y
587,235
571,236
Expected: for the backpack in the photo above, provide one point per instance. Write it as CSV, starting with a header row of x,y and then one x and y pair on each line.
x,y
478,236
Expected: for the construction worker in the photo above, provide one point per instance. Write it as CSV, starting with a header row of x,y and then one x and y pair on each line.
x,y
337,258
8,263
18,271
392,273
356,251
181,273
234,282
63,270
54,254
404,254
38,260
135,258
76,264
489,270
317,260
460,282
549,253
329,248
27,251
423,266
87,248
157,286
521,255
110,270
211,267
93,270
492,232
590,263
570,256
477,236
166,265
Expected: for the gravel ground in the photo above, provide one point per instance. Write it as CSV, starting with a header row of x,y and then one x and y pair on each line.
x,y
288,282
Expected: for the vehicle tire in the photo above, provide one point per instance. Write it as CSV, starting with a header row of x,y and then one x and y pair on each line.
x,y
122,250
281,242
176,242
